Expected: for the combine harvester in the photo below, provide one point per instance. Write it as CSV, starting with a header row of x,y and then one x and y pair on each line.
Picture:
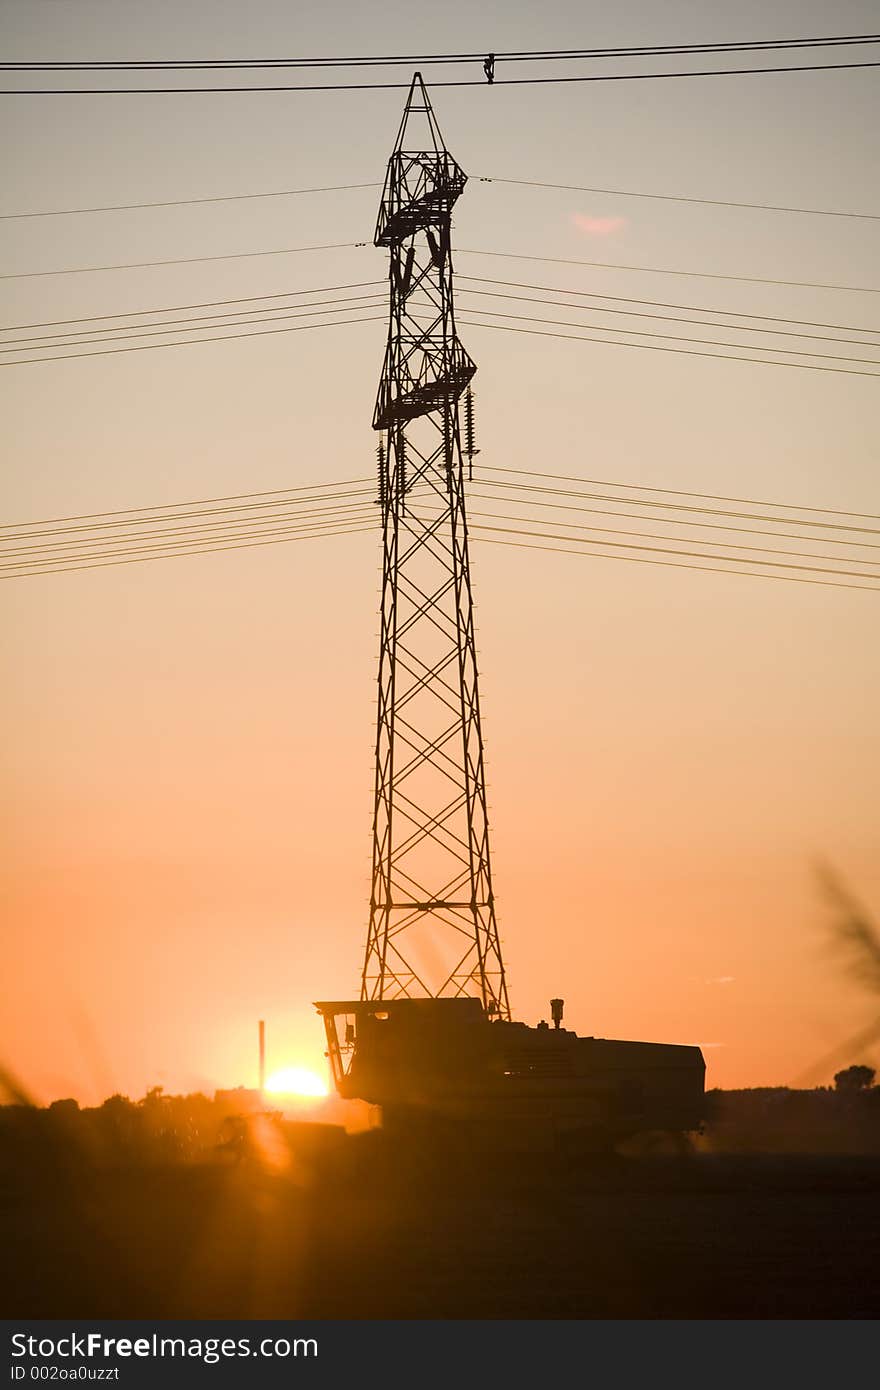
x,y
429,1063
431,1040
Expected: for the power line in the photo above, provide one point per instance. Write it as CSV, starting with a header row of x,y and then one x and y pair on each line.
x,y
680,198
362,497
653,347
664,304
352,487
160,529
404,86
315,308
684,540
205,304
209,326
160,534
675,521
474,279
679,521
185,260
679,492
672,318
664,270
158,546
518,544
153,523
165,528
679,337
320,488
804,366
187,342
350,304
340,507
392,60
186,202
80,553
676,564
694,554
506,255
701,511
348,187
245,545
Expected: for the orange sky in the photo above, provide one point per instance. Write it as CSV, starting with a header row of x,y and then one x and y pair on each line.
x,y
189,744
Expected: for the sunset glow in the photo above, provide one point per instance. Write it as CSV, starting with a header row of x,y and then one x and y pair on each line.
x,y
189,773
296,1081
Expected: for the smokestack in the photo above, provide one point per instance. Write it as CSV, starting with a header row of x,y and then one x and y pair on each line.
x,y
262,1054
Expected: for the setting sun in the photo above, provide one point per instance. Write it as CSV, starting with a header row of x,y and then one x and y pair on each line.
x,y
296,1081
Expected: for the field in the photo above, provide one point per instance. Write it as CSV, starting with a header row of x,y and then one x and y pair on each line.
x,y
359,1232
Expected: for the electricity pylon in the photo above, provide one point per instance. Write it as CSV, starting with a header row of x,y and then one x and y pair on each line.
x,y
432,925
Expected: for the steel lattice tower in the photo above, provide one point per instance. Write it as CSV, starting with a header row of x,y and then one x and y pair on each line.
x,y
432,915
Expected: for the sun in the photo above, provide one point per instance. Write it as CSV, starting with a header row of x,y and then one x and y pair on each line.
x,y
296,1081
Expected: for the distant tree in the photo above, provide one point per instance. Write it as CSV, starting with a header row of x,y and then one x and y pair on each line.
x,y
117,1108
855,1078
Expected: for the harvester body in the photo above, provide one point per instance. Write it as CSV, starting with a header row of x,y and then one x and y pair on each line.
x,y
447,1060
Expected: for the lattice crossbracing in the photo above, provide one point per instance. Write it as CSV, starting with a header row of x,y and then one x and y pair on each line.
x,y
432,916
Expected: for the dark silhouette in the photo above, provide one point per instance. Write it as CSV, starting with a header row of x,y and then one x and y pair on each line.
x,y
178,1206
432,1064
855,1078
